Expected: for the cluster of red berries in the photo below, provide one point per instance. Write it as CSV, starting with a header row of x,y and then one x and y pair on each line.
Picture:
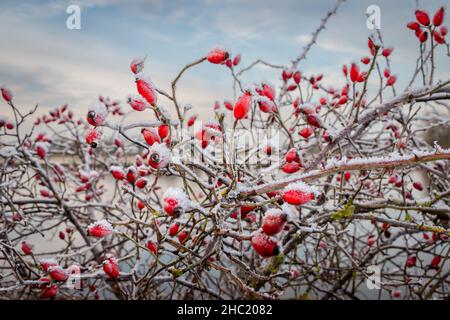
x,y
424,26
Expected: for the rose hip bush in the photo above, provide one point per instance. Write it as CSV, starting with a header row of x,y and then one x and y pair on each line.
x,y
173,207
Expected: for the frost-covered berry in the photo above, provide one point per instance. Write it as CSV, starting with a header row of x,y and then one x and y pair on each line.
x,y
152,246
117,172
49,292
57,273
265,104
163,130
97,114
6,94
435,262
242,106
137,65
175,201
92,137
418,185
292,156
183,236
274,221
141,183
111,267
265,245
159,156
100,229
268,90
131,174
291,167
306,132
299,193
137,102
173,230
27,248
191,121
150,136
41,149
218,55
47,263
411,262
146,88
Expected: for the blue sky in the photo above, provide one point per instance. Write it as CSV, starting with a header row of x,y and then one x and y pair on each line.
x,y
44,62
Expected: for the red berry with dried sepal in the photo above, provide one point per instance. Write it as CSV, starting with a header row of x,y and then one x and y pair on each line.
x,y
173,230
423,36
49,292
146,89
93,137
137,65
435,262
57,273
242,106
387,52
138,103
299,193
111,267
314,120
413,25
237,60
141,183
100,229
27,249
418,185
150,136
131,174
291,167
117,172
183,236
218,55
354,72
297,76
411,261
265,245
175,201
163,131
422,17
191,121
6,94
41,149
159,156
292,155
306,132
439,17
152,246
274,221
391,81
97,114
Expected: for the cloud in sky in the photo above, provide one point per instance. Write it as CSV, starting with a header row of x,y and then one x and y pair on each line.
x,y
45,63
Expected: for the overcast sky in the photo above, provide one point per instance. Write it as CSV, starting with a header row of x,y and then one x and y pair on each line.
x,y
44,62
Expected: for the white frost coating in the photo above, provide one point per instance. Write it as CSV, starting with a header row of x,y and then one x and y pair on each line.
x,y
143,77
103,224
163,152
177,193
117,169
6,152
99,109
290,211
42,145
395,156
273,212
303,187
